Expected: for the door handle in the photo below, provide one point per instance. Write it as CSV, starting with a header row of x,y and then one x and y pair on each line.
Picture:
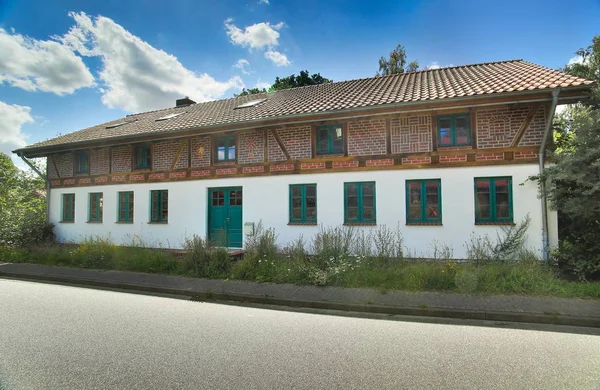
x,y
227,219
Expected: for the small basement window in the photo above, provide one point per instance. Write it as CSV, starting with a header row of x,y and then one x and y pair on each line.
x,y
170,116
251,103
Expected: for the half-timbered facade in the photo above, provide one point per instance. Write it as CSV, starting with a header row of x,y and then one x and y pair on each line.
x,y
443,153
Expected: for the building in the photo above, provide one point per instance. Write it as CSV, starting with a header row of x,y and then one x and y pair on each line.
x,y
444,153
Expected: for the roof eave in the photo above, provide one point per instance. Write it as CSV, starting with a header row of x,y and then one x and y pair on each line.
x,y
267,122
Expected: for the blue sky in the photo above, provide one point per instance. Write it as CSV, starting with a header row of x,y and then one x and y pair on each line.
x,y
67,65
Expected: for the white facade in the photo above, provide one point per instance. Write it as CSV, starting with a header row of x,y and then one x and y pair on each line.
x,y
266,199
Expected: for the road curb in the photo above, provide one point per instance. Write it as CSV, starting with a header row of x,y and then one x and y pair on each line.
x,y
549,319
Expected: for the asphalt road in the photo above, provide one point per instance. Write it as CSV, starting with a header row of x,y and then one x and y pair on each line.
x,y
59,337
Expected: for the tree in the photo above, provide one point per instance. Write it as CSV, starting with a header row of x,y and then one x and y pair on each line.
x,y
291,81
396,63
22,210
588,67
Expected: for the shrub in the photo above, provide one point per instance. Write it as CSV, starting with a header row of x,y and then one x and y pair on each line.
x,y
331,243
204,260
507,245
466,282
98,253
263,242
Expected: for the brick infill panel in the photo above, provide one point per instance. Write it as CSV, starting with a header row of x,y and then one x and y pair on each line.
x,y
416,160
177,175
101,179
85,180
68,181
319,165
155,176
226,171
344,164
458,158
118,178
55,182
203,172
282,167
522,155
489,156
384,161
258,169
138,177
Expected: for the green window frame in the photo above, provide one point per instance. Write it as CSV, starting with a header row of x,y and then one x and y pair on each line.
x,y
68,208
95,207
225,148
359,203
159,206
125,208
454,130
424,201
82,162
493,199
143,157
303,203
330,139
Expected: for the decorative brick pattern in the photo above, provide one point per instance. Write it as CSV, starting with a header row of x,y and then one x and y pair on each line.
x,y
251,147
254,169
200,151
119,178
344,164
522,155
64,163
497,127
69,182
200,173
282,167
489,156
101,179
385,161
99,161
297,141
136,177
177,175
156,176
366,137
226,171
411,134
85,180
416,160
164,152
318,165
121,159
459,158
55,182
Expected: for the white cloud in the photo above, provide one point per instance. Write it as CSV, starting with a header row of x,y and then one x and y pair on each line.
x,y
263,2
257,36
243,65
279,59
13,118
136,76
36,65
262,85
576,60
433,65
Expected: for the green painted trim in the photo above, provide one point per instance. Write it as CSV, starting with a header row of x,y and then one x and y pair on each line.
x,y
128,200
95,197
423,193
226,145
492,185
453,129
303,219
158,206
359,192
330,137
68,208
143,157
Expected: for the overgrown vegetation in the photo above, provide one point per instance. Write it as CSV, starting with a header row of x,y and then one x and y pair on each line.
x,y
336,256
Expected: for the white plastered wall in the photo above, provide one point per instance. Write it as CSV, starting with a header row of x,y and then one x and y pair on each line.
x,y
266,199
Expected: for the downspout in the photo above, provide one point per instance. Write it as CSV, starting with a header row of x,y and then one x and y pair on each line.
x,y
45,178
542,157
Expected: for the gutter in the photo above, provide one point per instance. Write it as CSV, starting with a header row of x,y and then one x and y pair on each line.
x,y
248,125
542,157
45,178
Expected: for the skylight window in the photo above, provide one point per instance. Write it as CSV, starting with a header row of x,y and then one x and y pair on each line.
x,y
251,103
170,116
112,126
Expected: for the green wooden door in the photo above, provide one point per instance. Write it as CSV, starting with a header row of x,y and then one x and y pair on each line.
x,y
225,216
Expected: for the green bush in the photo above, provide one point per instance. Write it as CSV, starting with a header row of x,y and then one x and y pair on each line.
x,y
98,253
507,246
466,282
204,260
